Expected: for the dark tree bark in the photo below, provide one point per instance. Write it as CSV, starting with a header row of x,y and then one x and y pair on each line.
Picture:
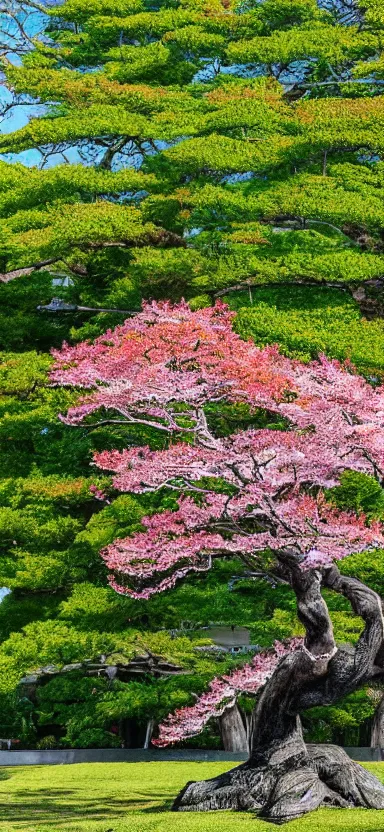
x,y
148,733
233,731
377,731
283,778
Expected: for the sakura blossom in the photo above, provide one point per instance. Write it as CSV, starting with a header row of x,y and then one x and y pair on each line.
x,y
223,693
161,369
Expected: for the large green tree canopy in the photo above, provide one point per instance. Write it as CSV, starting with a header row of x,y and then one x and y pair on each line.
x,y
197,145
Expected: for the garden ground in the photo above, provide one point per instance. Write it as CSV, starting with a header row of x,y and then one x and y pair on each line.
x,y
135,797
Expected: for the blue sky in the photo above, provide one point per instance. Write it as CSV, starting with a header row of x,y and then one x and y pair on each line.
x,y
20,115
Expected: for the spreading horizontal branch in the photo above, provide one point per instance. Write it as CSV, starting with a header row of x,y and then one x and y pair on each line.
x,y
7,276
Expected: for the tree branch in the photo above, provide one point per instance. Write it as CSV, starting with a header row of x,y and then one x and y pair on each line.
x,y
116,147
246,284
7,276
367,604
311,608
350,668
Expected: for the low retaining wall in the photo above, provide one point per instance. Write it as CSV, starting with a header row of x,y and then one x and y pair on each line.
x,y
366,755
128,755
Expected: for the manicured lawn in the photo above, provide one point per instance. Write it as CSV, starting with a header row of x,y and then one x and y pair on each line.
x,y
134,797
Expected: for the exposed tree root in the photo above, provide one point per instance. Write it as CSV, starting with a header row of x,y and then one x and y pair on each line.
x,y
290,784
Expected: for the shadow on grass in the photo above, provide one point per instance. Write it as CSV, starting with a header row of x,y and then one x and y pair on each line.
x,y
159,807
44,793
46,809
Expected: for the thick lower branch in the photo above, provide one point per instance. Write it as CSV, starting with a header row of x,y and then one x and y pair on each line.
x,y
320,674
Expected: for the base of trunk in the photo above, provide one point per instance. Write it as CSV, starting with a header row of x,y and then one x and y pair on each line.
x,y
282,783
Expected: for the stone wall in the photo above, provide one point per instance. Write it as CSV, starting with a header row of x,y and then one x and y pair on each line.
x,y
127,755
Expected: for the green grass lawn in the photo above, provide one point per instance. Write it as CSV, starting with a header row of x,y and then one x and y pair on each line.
x,y
135,797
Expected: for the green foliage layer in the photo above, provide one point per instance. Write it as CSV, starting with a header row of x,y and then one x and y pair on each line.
x,y
209,143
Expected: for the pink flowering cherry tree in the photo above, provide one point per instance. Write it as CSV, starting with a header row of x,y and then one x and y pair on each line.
x,y
258,495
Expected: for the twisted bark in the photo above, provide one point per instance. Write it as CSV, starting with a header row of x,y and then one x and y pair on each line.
x,y
283,778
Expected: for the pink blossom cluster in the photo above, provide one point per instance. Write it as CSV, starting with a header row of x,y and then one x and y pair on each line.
x,y
164,365
140,469
272,458
98,494
222,694
321,533
176,543
167,355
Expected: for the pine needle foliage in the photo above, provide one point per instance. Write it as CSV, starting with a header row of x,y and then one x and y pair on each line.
x,y
189,146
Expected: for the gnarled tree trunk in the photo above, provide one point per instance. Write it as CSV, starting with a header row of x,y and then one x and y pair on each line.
x,y
283,778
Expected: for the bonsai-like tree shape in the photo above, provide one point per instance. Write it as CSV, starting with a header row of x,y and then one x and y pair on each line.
x,y
259,495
